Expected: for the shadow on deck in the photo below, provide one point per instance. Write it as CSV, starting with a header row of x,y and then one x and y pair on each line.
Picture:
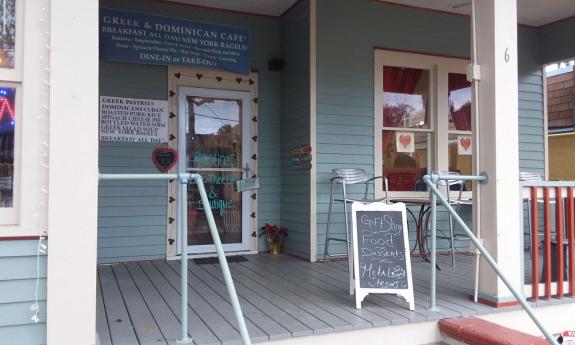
x,y
281,297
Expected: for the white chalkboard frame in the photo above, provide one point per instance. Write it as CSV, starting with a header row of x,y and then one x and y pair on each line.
x,y
361,293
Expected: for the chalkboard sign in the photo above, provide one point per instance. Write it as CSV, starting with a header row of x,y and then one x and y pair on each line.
x,y
381,251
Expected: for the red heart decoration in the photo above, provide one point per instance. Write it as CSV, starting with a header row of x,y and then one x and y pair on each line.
x,y
164,158
465,142
405,140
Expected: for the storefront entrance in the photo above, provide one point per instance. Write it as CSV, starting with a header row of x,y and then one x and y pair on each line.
x,y
217,146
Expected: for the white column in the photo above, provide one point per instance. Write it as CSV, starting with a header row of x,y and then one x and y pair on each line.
x,y
497,149
73,173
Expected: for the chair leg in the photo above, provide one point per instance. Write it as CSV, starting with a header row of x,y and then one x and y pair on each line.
x,y
325,246
451,240
349,242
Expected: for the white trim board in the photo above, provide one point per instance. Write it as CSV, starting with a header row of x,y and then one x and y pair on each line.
x,y
312,128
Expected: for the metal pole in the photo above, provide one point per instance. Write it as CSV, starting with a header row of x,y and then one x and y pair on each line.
x,y
223,262
518,296
183,222
433,272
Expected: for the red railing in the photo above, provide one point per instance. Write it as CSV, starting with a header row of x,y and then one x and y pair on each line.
x,y
542,195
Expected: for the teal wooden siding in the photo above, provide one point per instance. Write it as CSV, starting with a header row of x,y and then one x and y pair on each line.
x,y
17,291
295,129
133,215
557,41
347,32
531,112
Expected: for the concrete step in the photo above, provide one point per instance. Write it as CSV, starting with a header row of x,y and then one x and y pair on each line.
x,y
475,331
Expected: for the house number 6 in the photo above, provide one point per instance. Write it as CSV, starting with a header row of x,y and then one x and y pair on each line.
x,y
507,54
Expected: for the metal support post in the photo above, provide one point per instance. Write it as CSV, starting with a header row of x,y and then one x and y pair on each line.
x,y
183,224
223,262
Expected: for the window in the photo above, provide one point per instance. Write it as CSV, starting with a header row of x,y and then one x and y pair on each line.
x,y
10,105
7,134
7,33
422,118
407,126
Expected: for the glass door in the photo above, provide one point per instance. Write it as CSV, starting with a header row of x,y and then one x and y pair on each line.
x,y
216,146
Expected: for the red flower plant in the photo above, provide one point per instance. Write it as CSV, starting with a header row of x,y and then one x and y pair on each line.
x,y
274,232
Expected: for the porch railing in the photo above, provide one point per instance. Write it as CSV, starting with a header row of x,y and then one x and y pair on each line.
x,y
184,179
559,245
435,195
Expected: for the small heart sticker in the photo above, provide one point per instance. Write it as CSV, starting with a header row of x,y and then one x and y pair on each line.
x,y
465,143
405,140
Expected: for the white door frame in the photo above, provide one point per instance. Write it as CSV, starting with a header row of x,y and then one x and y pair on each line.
x,y
244,96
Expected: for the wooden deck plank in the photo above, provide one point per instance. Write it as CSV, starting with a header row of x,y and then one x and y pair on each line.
x,y
293,325
120,325
220,303
310,320
446,307
165,318
144,324
339,281
333,321
306,282
447,303
211,317
273,329
101,319
198,331
315,296
397,312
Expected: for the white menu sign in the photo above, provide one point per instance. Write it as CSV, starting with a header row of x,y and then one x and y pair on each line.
x,y
133,120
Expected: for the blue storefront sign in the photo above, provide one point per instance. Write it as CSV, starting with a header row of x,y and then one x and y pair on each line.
x,y
140,38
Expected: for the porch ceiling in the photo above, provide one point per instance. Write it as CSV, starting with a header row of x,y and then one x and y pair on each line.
x,y
530,12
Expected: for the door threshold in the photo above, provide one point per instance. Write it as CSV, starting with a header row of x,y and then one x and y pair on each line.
x,y
212,255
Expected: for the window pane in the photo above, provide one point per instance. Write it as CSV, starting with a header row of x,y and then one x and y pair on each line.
x,y
215,133
459,102
405,97
226,204
460,156
7,33
405,170
7,131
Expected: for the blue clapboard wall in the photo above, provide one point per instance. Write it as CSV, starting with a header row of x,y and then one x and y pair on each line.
x,y
295,127
132,215
347,32
17,293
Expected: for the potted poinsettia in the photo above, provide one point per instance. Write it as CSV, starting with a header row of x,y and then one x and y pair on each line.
x,y
275,237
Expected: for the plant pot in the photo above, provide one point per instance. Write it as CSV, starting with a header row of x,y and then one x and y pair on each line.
x,y
275,246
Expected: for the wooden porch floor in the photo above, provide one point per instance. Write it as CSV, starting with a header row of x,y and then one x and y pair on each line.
x,y
281,297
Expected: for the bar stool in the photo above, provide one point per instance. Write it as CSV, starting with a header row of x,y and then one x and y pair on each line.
x,y
451,185
347,177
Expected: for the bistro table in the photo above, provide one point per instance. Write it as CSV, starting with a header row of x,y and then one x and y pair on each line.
x,y
421,222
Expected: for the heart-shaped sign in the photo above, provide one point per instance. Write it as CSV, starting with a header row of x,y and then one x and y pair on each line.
x,y
465,143
405,140
164,158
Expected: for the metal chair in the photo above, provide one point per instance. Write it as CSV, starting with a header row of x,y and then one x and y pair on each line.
x,y
347,177
451,185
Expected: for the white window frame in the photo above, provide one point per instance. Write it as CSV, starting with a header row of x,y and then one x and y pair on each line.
x,y
28,216
439,67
